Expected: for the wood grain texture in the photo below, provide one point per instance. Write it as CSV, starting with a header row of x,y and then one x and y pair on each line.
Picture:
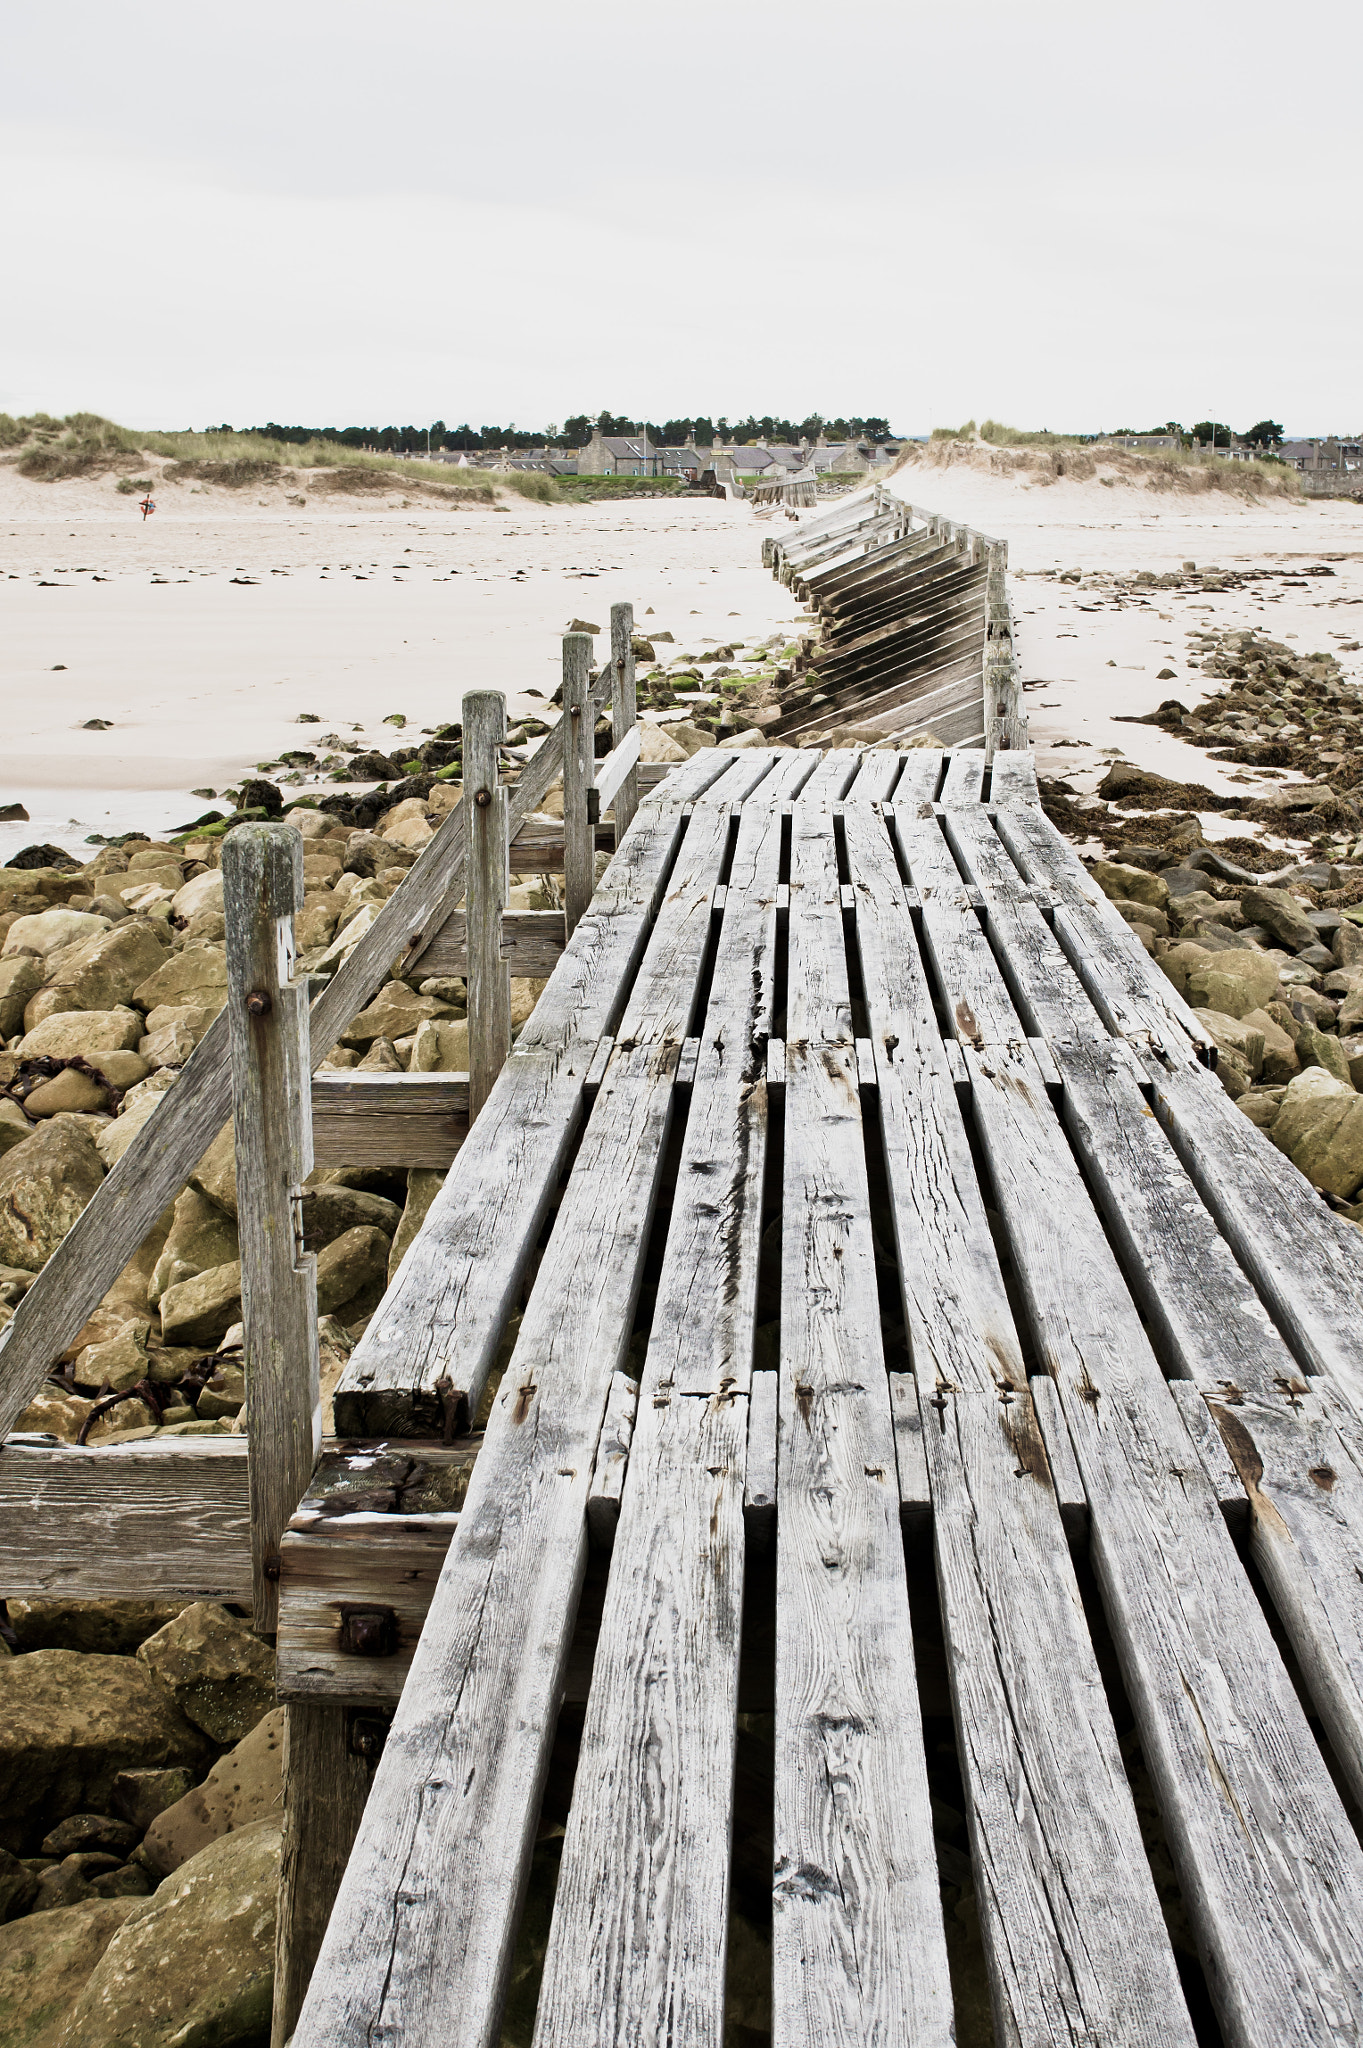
x,y
532,942
637,1948
443,1317
165,1519
388,1119
421,1937
488,883
1266,1858
377,1560
624,712
759,1485
1072,1926
262,870
964,778
579,855
325,1788
612,1460
858,1952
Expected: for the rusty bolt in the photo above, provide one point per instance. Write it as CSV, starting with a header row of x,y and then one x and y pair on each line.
x,y
368,1631
483,799
575,711
258,1003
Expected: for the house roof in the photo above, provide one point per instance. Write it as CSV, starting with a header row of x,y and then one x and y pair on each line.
x,y
615,445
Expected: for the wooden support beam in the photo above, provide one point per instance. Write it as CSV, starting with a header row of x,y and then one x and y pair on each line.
x,y
612,1461
532,944
327,1773
489,880
388,1119
624,714
262,868
579,859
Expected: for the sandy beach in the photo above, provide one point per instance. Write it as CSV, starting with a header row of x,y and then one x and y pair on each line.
x,y
202,633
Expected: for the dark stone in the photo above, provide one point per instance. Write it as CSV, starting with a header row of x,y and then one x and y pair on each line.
x,y
18,1886
84,1831
257,794
44,857
372,767
440,753
1317,956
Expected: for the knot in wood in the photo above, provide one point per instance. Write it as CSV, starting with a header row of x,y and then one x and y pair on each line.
x,y
258,1003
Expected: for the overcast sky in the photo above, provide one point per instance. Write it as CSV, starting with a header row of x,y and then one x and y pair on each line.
x,y
1059,213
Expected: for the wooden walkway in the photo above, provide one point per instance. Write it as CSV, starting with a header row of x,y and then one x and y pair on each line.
x,y
858,1174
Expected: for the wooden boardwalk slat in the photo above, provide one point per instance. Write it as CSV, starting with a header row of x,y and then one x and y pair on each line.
x,y
964,777
1256,1828
640,1930
858,1951
1072,1925
420,1940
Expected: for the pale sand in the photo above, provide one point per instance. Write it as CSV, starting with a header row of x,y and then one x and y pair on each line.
x,y
1066,646
203,678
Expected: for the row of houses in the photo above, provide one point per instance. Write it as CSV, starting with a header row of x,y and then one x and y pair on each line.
x,y
637,455
1330,455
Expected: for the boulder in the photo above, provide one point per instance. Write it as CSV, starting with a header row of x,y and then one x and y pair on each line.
x,y
411,833
45,1182
690,738
216,1173
69,1724
18,1886
1320,1128
172,1043
70,1090
383,1058
1351,1009
1281,914
137,1107
1347,943
216,1918
328,1212
191,976
1260,1105
441,1046
204,892
122,1070
223,1395
222,1676
44,931
200,1238
655,744
78,1034
1255,973
118,1363
45,1963
14,1126
316,922
394,1012
101,973
334,1346
1280,1061
245,1785
423,1185
99,1628
1131,884
1352,1048
99,1831
1137,914
350,1269
203,1309
1321,1049
141,1797
20,979
54,1413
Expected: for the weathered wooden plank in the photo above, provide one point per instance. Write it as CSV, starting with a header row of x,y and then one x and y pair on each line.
x,y
488,885
421,1936
325,1787
964,778
831,778
1301,1256
532,942
378,1561
877,773
388,1119
624,716
165,1519
1069,1487
1267,1861
262,870
1131,994
637,1948
1072,1925
911,1458
579,857
617,769
1013,778
612,1461
462,1274
920,777
858,1951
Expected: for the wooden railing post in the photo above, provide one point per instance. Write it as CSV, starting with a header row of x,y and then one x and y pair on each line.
x,y
579,757
488,883
624,710
262,867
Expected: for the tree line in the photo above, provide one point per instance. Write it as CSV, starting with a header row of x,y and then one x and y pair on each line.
x,y
575,432
1216,434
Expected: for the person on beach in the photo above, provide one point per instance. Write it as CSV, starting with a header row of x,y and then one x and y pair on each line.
x,y
148,505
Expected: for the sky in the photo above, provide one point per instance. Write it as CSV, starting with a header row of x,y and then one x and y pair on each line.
x,y
1054,213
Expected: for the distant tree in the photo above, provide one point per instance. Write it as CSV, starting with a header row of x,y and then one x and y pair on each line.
x,y
811,428
1264,434
673,433
705,432
577,431
1212,433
